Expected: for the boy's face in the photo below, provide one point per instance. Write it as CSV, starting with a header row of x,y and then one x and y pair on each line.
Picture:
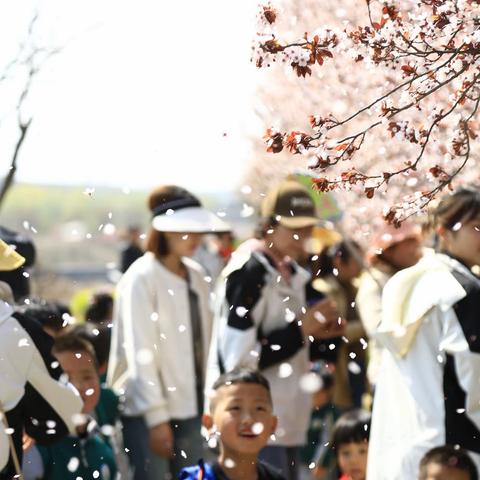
x,y
435,471
352,459
242,415
82,373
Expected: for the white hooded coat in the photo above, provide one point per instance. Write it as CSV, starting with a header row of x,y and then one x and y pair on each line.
x,y
428,390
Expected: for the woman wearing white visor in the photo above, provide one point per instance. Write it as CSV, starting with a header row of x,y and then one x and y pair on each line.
x,y
161,334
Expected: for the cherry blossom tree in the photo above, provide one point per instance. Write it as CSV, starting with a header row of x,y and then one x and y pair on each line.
x,y
410,133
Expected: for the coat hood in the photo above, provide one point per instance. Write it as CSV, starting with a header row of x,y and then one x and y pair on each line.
x,y
411,293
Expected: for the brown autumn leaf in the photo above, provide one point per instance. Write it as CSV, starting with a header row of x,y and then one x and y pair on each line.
x,y
408,70
272,46
322,184
270,14
325,53
275,141
301,71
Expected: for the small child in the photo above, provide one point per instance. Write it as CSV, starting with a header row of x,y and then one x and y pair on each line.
x,y
316,456
99,337
350,444
241,417
88,454
447,463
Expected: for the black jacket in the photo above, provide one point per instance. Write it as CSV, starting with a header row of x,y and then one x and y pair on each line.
x,y
34,398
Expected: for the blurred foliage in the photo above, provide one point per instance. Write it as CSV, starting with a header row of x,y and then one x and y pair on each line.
x,y
45,207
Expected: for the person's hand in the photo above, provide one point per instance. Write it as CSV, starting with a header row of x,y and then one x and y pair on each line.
x,y
161,440
322,320
27,442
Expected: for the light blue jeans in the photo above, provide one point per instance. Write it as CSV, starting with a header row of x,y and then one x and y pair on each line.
x,y
149,466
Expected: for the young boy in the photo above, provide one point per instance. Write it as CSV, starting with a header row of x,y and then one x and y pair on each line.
x,y
86,455
107,408
99,337
241,417
447,463
350,444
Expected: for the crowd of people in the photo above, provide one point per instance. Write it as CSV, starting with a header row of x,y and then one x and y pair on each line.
x,y
276,359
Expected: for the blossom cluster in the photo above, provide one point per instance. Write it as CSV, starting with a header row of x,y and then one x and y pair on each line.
x,y
422,58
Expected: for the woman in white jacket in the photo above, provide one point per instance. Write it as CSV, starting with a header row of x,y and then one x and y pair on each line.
x,y
161,334
428,390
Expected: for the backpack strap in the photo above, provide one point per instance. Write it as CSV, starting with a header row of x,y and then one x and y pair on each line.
x,y
13,451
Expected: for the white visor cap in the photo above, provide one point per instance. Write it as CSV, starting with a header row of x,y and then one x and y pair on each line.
x,y
189,220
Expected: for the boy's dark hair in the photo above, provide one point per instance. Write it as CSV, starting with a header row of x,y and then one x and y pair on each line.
x,y
242,375
49,314
72,342
97,336
451,457
100,308
351,427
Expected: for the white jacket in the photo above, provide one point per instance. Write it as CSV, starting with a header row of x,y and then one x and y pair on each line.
x,y
151,360
256,326
369,306
30,392
428,391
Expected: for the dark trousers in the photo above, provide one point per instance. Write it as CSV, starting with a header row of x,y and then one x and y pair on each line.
x,y
284,459
188,448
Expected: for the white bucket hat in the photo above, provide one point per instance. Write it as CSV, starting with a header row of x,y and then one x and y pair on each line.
x,y
186,215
